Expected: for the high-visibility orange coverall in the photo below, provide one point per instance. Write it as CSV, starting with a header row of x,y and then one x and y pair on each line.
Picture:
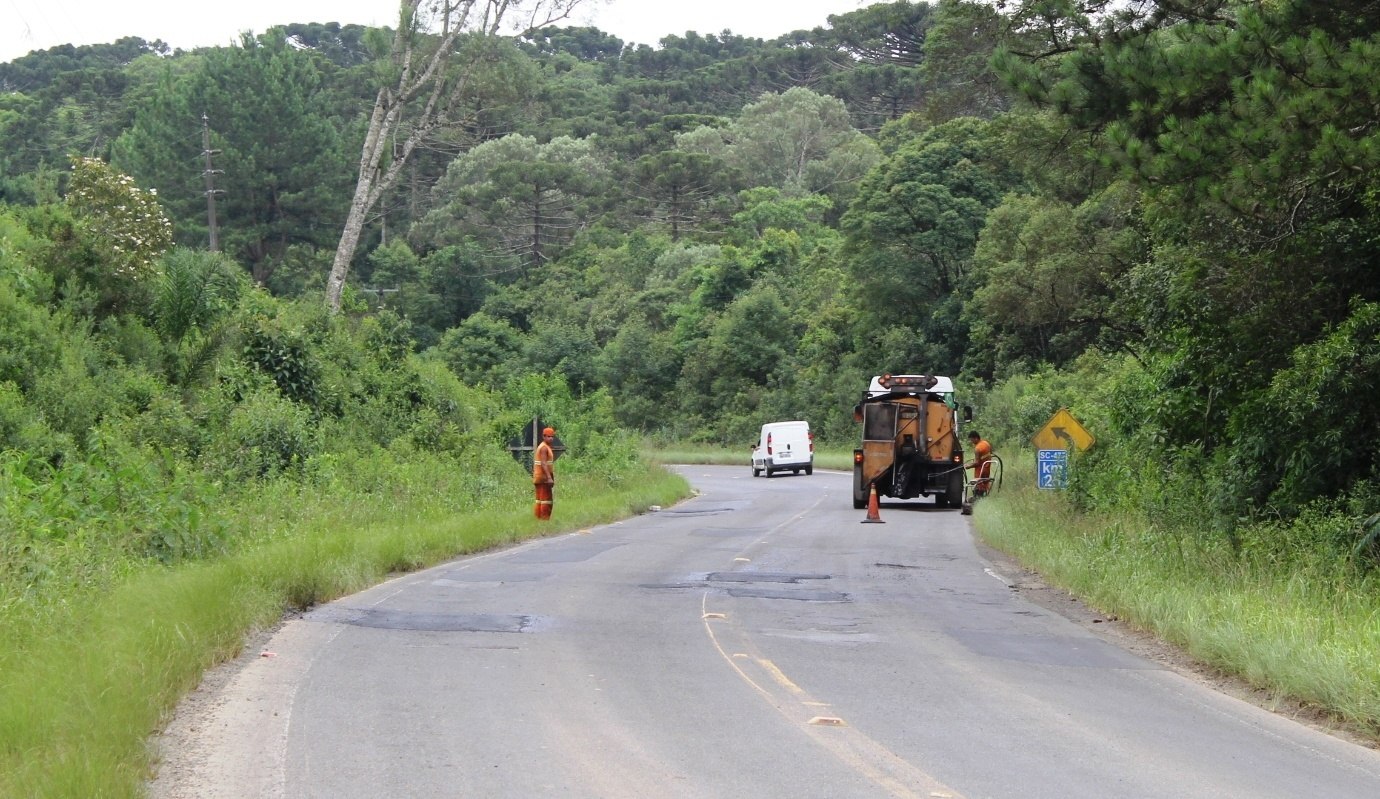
x,y
982,467
544,475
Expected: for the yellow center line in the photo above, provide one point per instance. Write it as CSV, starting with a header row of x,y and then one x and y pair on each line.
x,y
852,747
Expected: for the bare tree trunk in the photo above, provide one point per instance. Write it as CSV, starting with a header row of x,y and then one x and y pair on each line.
x,y
675,212
428,95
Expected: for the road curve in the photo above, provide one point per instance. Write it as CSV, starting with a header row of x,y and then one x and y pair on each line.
x,y
757,641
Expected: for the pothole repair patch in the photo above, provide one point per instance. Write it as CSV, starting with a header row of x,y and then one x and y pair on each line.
x,y
762,577
428,622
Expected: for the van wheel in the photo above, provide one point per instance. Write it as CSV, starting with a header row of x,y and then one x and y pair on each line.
x,y
809,470
795,472
756,472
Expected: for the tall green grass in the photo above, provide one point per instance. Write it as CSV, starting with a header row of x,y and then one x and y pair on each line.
x,y
1304,628
81,691
724,456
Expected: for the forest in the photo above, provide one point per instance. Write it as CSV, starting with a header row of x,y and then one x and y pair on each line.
x,y
1161,215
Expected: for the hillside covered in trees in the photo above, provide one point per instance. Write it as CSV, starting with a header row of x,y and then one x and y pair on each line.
x,y
1162,215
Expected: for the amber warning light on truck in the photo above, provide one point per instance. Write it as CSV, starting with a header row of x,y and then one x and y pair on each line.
x,y
907,382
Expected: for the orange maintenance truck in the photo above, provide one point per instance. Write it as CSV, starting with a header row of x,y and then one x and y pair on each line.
x,y
910,443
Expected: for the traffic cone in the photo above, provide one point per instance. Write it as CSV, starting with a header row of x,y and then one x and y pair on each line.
x,y
874,510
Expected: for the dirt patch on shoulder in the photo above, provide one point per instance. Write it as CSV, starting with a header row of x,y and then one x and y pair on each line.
x,y
1133,639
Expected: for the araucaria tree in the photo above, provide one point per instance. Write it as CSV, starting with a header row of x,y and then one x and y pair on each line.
x,y
431,83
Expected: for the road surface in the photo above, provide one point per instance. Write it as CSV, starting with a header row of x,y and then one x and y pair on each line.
x,y
756,641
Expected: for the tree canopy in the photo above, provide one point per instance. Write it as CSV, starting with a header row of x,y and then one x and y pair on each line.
x,y
719,230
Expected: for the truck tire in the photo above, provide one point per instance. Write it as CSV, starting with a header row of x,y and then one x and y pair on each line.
x,y
859,496
954,495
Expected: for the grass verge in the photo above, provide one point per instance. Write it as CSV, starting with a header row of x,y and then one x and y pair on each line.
x,y
1300,632
78,704
723,456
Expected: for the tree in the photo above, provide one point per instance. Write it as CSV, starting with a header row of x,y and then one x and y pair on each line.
x,y
680,187
886,45
123,220
797,141
765,209
517,197
481,350
281,158
64,101
638,368
1250,129
917,217
1047,275
726,374
958,76
429,85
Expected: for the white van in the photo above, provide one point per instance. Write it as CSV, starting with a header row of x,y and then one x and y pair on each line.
x,y
784,446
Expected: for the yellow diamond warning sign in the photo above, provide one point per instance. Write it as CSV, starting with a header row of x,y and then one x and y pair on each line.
x,y
1062,431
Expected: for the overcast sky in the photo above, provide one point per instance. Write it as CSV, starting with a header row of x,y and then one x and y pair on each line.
x,y
27,25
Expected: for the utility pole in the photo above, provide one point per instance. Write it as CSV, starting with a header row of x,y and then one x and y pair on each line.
x,y
210,175
380,295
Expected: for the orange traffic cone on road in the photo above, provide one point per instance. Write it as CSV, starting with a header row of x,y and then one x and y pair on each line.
x,y
874,508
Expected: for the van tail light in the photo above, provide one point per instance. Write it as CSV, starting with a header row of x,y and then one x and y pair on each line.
x,y
768,443
811,436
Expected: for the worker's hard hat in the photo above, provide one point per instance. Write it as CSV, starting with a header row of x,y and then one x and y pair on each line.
x,y
548,431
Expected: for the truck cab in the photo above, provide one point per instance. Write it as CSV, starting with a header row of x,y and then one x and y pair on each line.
x,y
910,441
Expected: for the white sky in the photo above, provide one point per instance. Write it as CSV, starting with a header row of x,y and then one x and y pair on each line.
x,y
27,25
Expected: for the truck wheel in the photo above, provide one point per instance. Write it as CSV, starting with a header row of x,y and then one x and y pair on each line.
x,y
859,495
954,494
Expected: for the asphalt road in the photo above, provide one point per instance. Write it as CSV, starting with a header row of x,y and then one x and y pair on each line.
x,y
757,641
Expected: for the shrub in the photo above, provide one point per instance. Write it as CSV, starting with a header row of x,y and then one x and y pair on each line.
x,y
71,397
284,354
165,423
192,289
31,338
132,341
22,429
127,221
266,435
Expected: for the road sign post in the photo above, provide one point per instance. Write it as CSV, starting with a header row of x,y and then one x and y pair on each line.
x,y
1061,435
524,445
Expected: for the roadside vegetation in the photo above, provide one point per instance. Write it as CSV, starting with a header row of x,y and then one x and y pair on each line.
x,y
1301,626
186,458
1289,604
85,683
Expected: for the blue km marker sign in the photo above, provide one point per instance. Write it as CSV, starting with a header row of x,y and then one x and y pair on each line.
x,y
1053,468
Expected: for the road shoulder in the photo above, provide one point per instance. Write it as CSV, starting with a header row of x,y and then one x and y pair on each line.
x,y
1032,587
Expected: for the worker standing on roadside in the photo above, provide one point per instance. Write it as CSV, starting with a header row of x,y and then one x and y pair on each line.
x,y
981,464
544,474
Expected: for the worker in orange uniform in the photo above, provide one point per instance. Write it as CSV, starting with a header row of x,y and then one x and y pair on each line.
x,y
981,464
544,473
